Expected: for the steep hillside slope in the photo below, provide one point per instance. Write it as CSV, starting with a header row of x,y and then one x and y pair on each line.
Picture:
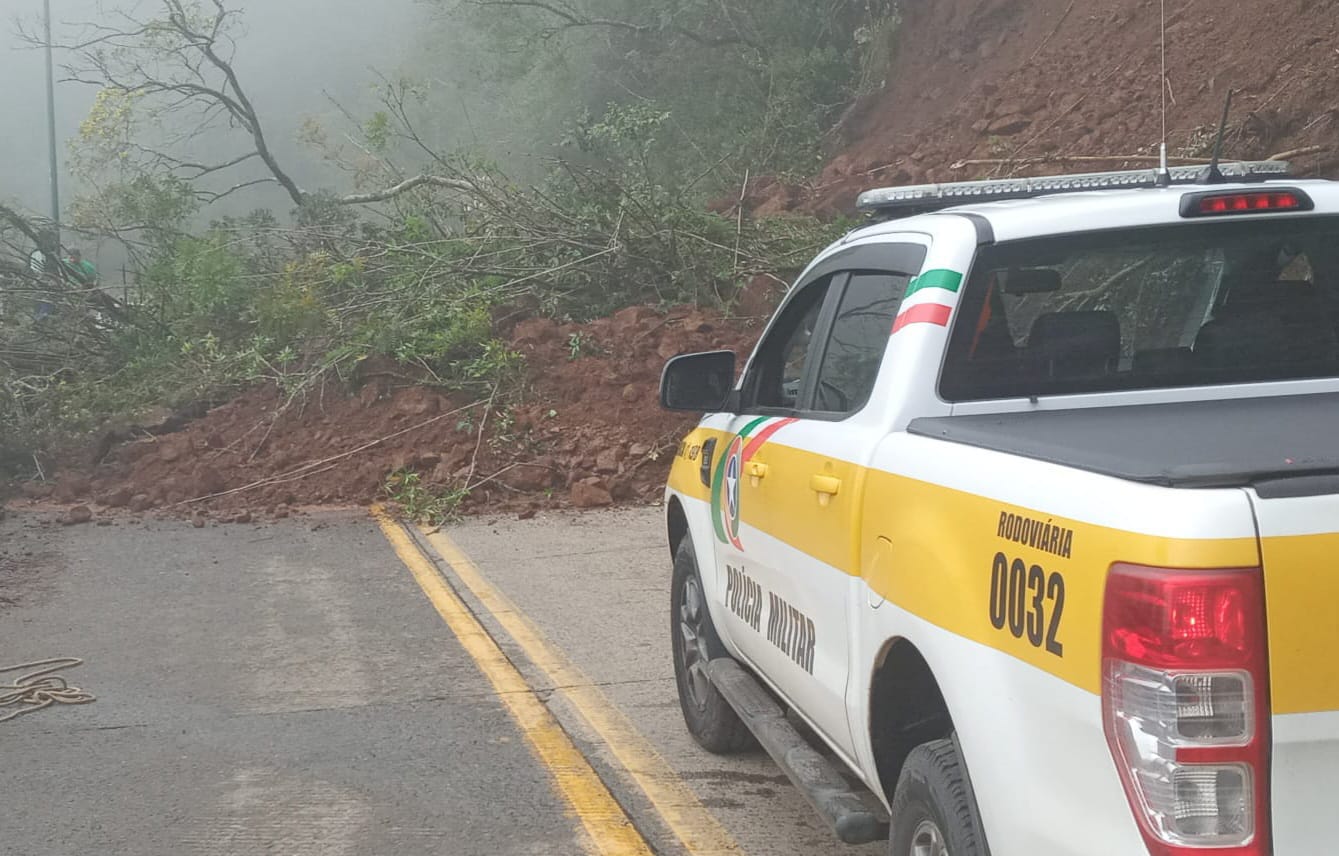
x,y
1005,87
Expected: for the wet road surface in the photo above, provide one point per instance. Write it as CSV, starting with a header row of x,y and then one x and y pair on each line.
x,y
309,686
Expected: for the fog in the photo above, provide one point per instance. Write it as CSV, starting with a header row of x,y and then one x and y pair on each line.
x,y
290,52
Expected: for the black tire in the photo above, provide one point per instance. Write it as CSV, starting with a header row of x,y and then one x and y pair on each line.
x,y
934,811
710,719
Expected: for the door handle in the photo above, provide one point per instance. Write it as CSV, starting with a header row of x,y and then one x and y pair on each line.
x,y
708,455
757,472
825,486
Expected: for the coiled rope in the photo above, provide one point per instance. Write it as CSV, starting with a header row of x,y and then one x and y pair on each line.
x,y
40,688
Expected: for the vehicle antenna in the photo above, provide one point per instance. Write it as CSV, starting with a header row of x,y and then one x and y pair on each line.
x,y
1164,177
1214,175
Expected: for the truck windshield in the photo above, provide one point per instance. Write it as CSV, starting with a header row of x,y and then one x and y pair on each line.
x,y
1186,305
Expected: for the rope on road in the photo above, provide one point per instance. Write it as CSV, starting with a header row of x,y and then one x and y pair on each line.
x,y
40,688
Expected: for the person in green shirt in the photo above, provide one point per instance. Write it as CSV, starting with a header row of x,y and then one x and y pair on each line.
x,y
82,268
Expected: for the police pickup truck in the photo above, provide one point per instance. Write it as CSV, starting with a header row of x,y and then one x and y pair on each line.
x,y
1019,532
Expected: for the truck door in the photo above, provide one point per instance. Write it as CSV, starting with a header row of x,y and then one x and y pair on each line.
x,y
799,477
1298,543
742,499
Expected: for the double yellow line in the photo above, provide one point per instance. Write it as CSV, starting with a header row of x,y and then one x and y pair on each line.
x,y
609,830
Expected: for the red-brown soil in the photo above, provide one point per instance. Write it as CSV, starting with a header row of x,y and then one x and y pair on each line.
x,y
586,430
1020,80
978,88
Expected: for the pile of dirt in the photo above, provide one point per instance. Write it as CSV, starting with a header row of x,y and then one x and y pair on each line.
x,y
587,430
978,88
1016,87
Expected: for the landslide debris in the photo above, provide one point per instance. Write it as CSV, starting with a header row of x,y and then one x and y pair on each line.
x,y
978,88
983,88
585,430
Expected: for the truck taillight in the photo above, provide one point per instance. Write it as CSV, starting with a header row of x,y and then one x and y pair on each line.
x,y
1186,706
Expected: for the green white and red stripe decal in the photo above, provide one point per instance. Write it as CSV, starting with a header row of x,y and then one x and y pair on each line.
x,y
730,471
929,299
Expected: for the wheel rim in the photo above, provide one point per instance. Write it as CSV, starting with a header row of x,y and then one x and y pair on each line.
x,y
693,643
927,840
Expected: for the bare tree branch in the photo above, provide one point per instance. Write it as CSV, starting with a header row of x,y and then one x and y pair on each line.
x,y
247,113
200,74
200,170
573,19
406,186
210,197
22,224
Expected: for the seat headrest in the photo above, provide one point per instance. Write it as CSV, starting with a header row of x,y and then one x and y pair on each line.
x,y
1075,344
1272,295
1272,334
1241,341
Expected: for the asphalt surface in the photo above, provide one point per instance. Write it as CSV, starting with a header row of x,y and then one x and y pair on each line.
x,y
598,587
290,689
259,690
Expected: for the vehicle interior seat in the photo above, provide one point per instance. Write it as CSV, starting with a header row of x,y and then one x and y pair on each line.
x,y
1163,361
1071,345
1282,322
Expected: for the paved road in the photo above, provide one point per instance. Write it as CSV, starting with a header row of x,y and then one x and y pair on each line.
x,y
291,689
597,586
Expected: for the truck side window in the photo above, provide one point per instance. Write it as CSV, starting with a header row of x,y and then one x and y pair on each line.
x,y
777,377
859,337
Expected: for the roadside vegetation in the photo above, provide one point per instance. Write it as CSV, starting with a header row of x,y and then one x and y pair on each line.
x,y
624,124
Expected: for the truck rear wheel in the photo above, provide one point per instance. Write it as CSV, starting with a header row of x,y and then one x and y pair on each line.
x,y
934,812
710,719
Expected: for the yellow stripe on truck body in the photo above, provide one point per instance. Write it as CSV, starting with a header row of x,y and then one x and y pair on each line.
x,y
943,543
1302,589
946,577
1301,561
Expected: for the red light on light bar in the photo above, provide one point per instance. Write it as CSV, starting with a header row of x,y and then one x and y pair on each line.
x,y
1244,203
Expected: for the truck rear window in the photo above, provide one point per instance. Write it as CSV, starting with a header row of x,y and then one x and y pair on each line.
x,y
1185,305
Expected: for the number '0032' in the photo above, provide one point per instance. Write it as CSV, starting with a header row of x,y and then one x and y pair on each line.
x,y
1027,601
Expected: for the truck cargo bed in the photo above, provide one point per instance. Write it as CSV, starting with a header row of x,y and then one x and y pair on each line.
x,y
1283,446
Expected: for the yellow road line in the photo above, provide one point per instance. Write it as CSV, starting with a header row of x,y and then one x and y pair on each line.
x,y
607,825
680,808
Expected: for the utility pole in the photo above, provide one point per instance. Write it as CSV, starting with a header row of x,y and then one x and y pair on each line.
x,y
51,130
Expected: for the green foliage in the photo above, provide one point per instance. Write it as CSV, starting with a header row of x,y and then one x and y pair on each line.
x,y
577,346
377,131
438,334
420,502
199,284
105,139
624,132
617,121
734,87
155,206
495,365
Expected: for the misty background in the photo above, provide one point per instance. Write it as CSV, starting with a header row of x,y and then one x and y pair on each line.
x,y
290,54
431,170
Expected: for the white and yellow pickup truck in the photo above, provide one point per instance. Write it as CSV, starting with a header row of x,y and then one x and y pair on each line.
x,y
1027,506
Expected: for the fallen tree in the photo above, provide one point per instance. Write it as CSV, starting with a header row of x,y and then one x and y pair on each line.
x,y
418,261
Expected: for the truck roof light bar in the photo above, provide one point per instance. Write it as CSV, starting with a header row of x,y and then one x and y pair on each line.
x,y
920,198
